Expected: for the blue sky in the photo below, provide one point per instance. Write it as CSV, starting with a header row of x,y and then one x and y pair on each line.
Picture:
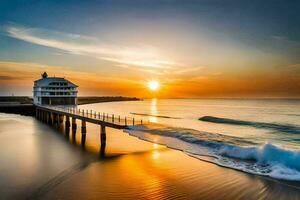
x,y
208,42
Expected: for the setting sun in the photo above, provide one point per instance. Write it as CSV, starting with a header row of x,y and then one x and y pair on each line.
x,y
153,85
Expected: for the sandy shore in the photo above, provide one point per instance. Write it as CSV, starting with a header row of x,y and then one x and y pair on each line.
x,y
55,168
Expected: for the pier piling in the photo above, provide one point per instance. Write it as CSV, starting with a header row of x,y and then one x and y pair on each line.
x,y
61,119
102,140
83,132
74,127
67,126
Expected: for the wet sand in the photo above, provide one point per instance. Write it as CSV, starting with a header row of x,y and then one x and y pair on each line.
x,y
39,162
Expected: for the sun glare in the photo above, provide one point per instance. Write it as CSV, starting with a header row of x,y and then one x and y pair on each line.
x,y
153,85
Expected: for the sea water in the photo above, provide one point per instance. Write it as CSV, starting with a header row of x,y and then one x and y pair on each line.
x,y
255,136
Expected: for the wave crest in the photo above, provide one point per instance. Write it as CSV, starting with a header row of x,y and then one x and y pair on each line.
x,y
286,128
268,159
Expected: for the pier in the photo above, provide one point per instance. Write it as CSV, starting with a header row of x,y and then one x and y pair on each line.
x,y
54,115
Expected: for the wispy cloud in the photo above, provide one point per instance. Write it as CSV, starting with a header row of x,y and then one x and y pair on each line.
x,y
6,77
139,56
14,77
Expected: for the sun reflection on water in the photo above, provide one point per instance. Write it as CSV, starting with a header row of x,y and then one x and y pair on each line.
x,y
155,154
153,111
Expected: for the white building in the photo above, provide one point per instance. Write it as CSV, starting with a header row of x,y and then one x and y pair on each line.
x,y
54,91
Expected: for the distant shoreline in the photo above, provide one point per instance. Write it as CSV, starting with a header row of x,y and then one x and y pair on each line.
x,y
24,105
16,100
90,100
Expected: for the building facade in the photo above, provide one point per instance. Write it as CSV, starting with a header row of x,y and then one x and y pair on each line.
x,y
54,91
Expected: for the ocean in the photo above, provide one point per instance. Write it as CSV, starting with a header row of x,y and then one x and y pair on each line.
x,y
254,136
255,141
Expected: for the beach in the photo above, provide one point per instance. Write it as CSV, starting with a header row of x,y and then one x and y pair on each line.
x,y
39,162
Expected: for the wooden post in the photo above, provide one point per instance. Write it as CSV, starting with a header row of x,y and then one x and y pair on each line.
x,y
61,119
133,121
125,121
113,118
74,127
67,123
102,140
47,117
43,118
39,114
83,133
57,119
53,119
42,115
67,126
50,118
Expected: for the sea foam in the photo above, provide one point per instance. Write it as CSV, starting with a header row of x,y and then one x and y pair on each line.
x,y
267,159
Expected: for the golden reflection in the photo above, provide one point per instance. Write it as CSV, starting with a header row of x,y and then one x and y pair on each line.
x,y
148,179
155,146
153,111
155,154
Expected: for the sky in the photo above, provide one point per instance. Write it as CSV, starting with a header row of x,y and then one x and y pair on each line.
x,y
195,49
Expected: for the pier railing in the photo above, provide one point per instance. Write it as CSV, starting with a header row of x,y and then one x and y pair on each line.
x,y
100,116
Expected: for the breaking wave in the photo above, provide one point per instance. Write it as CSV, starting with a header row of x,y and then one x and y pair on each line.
x,y
273,126
233,152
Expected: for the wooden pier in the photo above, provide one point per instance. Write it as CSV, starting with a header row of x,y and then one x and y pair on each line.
x,y
57,115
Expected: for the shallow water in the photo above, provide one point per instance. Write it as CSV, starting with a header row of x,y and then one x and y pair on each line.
x,y
38,162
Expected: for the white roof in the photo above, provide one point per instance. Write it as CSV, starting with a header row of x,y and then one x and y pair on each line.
x,y
48,80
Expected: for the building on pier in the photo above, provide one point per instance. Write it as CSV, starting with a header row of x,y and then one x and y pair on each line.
x,y
54,91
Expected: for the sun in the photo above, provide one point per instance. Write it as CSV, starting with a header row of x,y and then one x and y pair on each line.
x,y
153,85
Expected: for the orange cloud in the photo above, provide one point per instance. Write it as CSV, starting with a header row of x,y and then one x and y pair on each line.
x,y
284,82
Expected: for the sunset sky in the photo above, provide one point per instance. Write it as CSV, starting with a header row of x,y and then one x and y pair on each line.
x,y
195,49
